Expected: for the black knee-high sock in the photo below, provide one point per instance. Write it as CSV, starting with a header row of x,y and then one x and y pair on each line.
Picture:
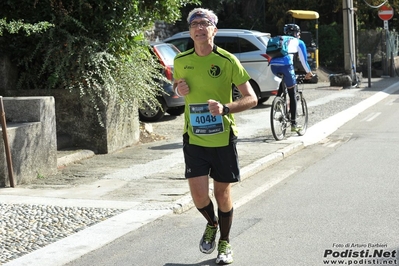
x,y
225,221
209,213
293,103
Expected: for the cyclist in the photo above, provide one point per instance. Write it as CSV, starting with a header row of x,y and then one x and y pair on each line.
x,y
285,66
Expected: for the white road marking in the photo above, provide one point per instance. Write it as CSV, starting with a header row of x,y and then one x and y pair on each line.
x,y
370,117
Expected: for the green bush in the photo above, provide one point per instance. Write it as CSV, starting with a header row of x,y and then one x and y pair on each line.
x,y
95,46
331,46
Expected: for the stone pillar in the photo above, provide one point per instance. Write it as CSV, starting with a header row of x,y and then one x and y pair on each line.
x,y
32,139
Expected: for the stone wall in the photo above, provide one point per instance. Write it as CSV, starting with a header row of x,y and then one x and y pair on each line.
x,y
160,31
31,134
79,125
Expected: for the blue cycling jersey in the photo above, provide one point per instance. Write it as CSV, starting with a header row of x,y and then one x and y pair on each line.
x,y
295,45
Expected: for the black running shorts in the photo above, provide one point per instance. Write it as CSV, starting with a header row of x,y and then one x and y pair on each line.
x,y
220,163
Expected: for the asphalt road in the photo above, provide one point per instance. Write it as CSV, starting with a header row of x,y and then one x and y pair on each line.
x,y
147,179
336,204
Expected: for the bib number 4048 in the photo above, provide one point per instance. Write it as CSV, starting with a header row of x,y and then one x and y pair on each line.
x,y
205,119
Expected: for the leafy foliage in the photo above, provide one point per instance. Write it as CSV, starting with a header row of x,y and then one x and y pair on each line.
x,y
13,27
331,49
95,46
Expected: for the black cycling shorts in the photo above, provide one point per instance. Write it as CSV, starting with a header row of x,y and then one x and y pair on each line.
x,y
220,163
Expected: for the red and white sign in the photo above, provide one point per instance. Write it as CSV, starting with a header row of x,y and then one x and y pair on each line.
x,y
385,12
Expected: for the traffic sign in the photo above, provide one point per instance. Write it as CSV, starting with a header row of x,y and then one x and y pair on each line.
x,y
385,12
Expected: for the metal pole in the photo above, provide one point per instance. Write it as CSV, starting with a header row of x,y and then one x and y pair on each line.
x,y
349,40
369,68
386,53
317,43
352,52
6,146
392,65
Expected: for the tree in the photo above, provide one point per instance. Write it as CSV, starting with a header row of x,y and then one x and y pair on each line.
x,y
96,46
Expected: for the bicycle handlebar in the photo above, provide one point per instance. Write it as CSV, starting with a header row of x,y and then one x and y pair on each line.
x,y
300,78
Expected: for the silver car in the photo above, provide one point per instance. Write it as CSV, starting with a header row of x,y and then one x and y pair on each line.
x,y
249,47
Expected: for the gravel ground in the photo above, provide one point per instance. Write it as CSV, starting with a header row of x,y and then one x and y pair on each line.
x,y
25,228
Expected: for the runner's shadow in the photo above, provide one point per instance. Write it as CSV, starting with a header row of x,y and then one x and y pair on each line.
x,y
170,146
258,139
209,262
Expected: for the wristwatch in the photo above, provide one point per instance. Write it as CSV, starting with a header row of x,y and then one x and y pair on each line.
x,y
226,110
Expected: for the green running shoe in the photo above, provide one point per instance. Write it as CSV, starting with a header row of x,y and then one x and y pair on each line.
x,y
207,244
225,253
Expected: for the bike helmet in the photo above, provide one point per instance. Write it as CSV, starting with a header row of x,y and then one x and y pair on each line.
x,y
291,29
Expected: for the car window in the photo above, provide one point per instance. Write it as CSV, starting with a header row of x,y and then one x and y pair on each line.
x,y
230,44
167,53
264,39
247,46
183,44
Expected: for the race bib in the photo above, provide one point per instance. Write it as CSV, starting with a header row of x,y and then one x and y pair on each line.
x,y
202,122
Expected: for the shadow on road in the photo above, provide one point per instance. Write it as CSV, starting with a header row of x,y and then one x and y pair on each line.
x,y
170,146
209,262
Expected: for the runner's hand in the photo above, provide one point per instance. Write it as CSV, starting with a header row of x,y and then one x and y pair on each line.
x,y
215,107
182,87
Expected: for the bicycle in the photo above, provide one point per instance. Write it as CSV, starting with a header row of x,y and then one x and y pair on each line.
x,y
280,114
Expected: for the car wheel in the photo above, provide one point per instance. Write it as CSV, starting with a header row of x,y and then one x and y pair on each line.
x,y
236,93
257,92
262,100
176,111
152,114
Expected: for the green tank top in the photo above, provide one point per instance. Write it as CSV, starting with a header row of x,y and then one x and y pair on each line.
x,y
208,77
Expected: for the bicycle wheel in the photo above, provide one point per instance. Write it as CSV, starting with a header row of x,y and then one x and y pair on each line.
x,y
302,114
278,121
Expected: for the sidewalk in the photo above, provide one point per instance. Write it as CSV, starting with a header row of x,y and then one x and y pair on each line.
x,y
121,192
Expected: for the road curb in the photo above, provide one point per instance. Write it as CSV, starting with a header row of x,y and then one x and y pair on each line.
x,y
185,203
270,159
73,156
